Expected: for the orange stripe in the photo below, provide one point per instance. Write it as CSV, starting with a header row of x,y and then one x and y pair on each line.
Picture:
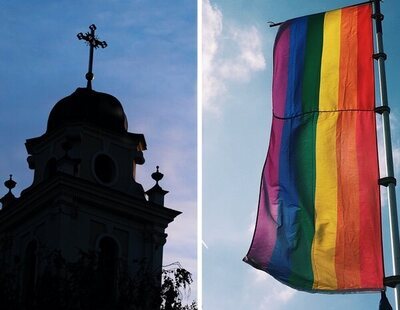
x,y
347,256
348,60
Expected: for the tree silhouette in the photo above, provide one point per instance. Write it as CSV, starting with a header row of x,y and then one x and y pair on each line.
x,y
78,286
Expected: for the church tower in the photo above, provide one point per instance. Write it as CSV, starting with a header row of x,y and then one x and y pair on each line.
x,y
84,196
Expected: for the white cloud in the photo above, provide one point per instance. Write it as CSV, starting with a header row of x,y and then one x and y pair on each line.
x,y
275,293
396,158
219,66
252,225
212,30
381,153
395,145
249,57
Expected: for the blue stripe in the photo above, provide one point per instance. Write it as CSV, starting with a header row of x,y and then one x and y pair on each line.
x,y
298,36
288,210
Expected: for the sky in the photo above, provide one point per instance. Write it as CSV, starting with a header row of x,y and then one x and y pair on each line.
x,y
149,65
237,75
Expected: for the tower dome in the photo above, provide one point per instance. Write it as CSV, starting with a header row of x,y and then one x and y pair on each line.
x,y
88,106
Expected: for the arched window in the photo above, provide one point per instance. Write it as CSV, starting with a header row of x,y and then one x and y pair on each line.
x,y
108,268
29,276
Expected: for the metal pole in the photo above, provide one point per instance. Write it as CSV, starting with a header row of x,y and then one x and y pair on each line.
x,y
394,226
93,42
89,75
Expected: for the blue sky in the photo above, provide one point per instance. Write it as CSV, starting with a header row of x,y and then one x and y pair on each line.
x,y
237,68
149,65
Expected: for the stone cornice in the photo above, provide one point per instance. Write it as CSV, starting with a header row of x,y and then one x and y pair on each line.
x,y
66,190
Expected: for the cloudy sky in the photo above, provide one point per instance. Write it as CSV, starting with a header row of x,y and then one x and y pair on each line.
x,y
237,67
149,65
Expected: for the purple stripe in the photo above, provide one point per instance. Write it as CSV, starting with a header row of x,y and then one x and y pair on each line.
x,y
265,233
281,70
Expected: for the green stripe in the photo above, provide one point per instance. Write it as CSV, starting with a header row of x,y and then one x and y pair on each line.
x,y
312,62
304,154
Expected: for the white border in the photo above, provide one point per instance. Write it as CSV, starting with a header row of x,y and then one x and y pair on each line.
x,y
199,155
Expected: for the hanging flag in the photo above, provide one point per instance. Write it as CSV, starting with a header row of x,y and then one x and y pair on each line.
x,y
318,224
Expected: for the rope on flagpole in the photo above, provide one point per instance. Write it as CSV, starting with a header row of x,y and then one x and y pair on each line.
x,y
380,57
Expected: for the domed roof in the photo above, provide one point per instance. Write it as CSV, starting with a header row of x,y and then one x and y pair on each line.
x,y
88,106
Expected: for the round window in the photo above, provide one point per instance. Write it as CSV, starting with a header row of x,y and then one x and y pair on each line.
x,y
104,168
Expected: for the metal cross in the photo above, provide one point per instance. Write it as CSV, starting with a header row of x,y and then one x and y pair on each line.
x,y
93,42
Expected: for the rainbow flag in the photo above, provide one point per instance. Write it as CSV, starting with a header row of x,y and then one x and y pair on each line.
x,y
319,225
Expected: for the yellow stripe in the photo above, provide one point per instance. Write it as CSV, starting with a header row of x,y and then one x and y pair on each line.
x,y
329,87
324,243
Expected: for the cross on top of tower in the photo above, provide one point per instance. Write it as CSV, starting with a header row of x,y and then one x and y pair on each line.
x,y
93,41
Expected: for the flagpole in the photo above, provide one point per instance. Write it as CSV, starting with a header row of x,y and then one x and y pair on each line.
x,y
389,181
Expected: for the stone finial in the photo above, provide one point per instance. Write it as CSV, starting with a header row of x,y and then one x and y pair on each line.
x,y
9,197
157,176
10,183
156,193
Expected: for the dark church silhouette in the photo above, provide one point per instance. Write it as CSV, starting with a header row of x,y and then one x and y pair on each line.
x,y
84,196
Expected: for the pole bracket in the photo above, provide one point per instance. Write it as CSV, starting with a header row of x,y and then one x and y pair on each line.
x,y
379,55
391,281
378,16
386,181
382,109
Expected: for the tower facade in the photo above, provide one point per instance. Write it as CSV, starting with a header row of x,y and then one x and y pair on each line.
x,y
84,196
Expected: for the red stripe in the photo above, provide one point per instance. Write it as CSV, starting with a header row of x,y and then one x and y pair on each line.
x,y
371,263
365,64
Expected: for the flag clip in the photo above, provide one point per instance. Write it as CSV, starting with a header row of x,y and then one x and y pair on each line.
x,y
377,16
391,281
273,24
386,181
379,55
382,109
